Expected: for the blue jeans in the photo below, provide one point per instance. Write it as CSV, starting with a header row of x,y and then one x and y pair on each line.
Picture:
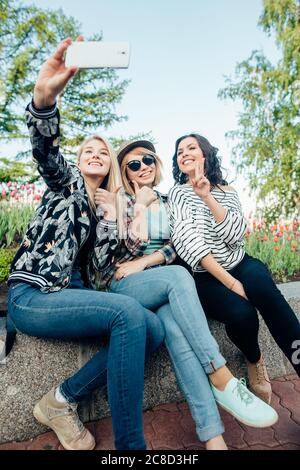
x,y
78,313
171,292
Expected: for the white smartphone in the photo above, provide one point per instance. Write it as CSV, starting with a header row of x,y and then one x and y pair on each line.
x,y
98,54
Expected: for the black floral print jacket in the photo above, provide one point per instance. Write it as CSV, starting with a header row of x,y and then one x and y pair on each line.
x,y
61,224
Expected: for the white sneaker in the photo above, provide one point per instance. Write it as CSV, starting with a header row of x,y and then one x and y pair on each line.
x,y
244,405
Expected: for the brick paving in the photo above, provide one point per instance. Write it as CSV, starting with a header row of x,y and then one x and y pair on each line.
x,y
171,427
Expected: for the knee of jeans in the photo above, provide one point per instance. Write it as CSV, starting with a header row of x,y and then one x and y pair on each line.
x,y
180,276
131,313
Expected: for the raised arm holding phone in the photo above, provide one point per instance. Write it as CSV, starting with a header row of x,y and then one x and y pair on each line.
x,y
52,274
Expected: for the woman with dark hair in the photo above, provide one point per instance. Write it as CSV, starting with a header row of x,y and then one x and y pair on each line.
x,y
141,269
207,228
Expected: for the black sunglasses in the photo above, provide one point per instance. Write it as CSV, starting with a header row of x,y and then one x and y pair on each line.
x,y
135,165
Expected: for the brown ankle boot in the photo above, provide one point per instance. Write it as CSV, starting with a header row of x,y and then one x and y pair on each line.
x,y
259,380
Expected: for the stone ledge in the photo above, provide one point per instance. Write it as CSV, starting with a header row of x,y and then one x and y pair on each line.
x,y
35,365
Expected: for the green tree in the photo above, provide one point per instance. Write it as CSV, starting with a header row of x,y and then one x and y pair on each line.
x,y
27,36
11,170
267,140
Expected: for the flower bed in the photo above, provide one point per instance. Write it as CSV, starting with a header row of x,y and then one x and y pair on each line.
x,y
277,245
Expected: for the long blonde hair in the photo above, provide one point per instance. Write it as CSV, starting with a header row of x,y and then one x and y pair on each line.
x,y
158,174
113,180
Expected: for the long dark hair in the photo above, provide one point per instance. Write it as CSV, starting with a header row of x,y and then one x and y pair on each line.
x,y
212,165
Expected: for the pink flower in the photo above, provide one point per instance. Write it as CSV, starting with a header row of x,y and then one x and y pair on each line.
x,y
9,184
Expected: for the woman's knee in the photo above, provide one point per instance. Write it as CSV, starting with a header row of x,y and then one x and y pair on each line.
x,y
129,312
258,281
261,286
243,317
179,276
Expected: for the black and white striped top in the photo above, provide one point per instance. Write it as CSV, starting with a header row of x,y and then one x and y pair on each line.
x,y
195,232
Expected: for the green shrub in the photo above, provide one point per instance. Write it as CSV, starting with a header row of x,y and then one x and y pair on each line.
x,y
14,219
6,257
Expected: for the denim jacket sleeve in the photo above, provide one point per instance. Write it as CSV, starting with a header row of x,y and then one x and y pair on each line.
x,y
43,126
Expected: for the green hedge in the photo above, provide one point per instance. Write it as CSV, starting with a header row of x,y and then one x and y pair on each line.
x,y
6,257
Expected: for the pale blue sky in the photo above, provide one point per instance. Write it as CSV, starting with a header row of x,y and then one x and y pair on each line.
x,y
180,52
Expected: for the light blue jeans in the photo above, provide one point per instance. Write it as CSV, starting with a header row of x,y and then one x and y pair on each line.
x,y
171,292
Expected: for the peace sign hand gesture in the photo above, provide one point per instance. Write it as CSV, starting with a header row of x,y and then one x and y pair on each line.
x,y
200,183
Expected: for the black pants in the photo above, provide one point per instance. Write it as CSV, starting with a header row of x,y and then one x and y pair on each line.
x,y
240,316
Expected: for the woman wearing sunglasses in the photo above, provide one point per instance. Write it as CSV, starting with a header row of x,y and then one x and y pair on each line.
x,y
170,292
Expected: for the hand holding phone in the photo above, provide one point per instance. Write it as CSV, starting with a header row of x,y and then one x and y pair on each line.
x,y
97,54
53,76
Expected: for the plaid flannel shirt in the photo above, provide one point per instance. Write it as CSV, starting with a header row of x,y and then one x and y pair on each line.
x,y
131,246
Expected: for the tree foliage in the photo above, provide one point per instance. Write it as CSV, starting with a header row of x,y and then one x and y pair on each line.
x,y
11,170
27,36
267,140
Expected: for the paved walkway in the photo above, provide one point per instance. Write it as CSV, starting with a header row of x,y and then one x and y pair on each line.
x,y
170,427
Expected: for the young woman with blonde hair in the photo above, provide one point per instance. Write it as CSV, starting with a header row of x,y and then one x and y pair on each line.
x,y
64,244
